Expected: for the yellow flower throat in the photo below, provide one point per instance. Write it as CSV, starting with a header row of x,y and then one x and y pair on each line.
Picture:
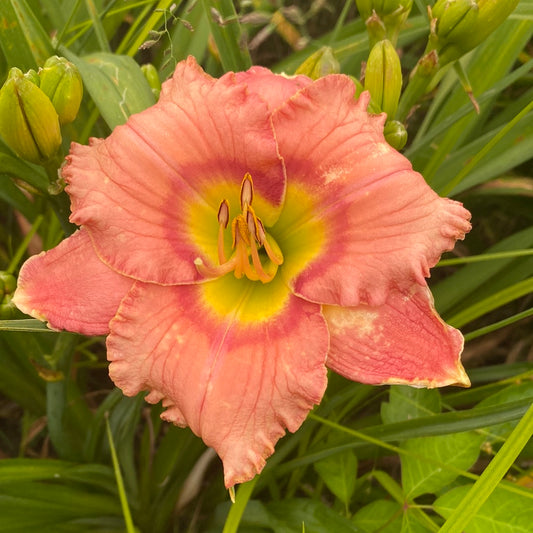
x,y
249,241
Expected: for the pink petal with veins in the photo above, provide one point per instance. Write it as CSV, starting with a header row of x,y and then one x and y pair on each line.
x,y
275,89
383,223
402,341
237,385
135,191
70,288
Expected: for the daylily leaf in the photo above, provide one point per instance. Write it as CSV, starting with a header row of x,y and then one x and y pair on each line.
x,y
23,40
504,512
406,403
516,391
115,83
313,515
380,515
339,473
17,168
460,450
25,324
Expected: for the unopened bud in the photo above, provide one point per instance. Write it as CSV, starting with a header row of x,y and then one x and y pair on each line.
x,y
29,124
460,25
319,64
384,15
8,284
33,77
395,134
450,14
383,76
61,82
152,77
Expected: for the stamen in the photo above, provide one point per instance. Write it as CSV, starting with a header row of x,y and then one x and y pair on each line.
x,y
276,259
247,191
215,271
261,274
248,234
223,214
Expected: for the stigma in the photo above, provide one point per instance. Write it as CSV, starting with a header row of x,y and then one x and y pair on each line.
x,y
254,253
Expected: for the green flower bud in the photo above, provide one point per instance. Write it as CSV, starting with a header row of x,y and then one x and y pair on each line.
x,y
29,124
383,76
33,77
319,64
8,284
450,15
152,77
395,134
460,25
61,82
388,14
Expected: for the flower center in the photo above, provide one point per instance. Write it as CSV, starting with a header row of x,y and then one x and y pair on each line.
x,y
250,241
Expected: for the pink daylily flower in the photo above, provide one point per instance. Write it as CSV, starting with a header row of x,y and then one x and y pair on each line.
x,y
239,238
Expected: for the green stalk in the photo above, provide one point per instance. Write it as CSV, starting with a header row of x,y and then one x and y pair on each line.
x,y
130,528
227,35
237,509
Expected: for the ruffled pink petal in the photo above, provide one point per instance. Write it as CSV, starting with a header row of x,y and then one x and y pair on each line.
x,y
238,385
275,89
382,223
70,288
149,194
402,341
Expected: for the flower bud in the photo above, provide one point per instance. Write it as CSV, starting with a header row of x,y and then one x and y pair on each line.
x,y
460,25
384,16
29,124
152,77
61,82
395,134
383,76
8,284
319,64
33,77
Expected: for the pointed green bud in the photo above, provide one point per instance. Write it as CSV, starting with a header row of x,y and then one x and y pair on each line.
x,y
383,76
61,82
33,77
460,25
452,14
395,134
389,15
152,77
319,64
29,124
8,284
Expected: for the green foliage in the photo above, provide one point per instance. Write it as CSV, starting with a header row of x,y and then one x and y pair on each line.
x,y
368,459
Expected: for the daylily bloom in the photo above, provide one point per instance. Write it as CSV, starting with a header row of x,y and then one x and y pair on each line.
x,y
237,239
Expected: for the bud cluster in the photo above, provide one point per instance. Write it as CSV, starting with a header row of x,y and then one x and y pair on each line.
x,y
384,18
34,105
8,284
458,26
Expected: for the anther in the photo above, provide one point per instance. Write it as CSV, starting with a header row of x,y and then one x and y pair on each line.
x,y
247,191
223,214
